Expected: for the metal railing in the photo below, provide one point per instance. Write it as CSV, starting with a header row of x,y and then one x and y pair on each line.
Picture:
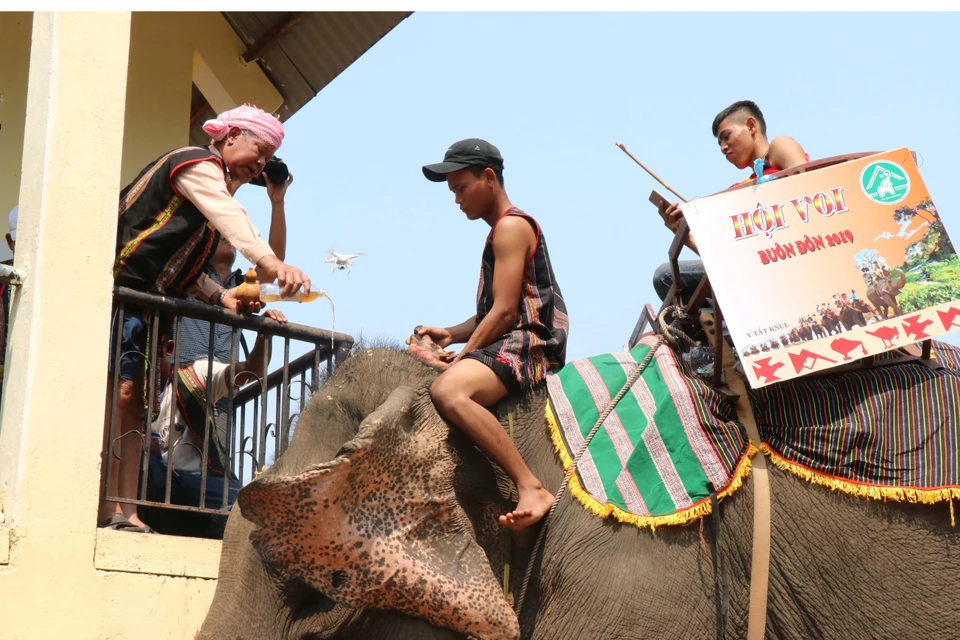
x,y
258,426
251,404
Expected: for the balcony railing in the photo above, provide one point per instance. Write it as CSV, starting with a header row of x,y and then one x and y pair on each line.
x,y
258,420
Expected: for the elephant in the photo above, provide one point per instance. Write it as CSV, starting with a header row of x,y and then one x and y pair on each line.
x,y
883,293
817,330
370,453
831,324
864,308
851,318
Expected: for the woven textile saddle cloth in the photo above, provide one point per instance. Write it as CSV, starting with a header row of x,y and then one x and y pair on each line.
x,y
655,457
886,433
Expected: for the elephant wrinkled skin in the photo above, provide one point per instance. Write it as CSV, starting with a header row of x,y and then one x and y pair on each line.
x,y
841,567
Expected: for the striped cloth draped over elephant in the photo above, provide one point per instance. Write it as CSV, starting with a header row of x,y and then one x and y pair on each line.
x,y
652,460
886,433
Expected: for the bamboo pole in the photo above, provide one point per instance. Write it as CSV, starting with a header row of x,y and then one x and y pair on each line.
x,y
652,174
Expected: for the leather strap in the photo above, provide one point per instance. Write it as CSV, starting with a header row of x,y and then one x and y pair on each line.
x,y
760,567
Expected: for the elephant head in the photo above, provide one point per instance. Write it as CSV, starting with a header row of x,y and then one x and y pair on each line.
x,y
381,526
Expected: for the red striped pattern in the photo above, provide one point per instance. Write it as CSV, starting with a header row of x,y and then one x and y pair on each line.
x,y
537,343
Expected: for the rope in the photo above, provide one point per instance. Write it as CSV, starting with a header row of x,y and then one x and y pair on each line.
x,y
671,336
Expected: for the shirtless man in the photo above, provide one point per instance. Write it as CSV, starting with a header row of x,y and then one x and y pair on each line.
x,y
741,132
519,332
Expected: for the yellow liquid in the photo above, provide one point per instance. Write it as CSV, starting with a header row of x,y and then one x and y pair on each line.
x,y
313,295
298,297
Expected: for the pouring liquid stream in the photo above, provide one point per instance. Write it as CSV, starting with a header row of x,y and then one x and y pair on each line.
x,y
270,292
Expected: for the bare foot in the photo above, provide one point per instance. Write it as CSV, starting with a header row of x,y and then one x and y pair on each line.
x,y
428,352
533,505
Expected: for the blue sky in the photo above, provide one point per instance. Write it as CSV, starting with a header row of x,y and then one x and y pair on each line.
x,y
554,92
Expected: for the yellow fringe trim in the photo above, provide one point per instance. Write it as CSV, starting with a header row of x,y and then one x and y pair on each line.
x,y
605,510
901,494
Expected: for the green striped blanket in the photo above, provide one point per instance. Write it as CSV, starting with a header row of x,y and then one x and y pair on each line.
x,y
652,460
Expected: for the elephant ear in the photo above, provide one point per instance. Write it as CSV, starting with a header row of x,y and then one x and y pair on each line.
x,y
380,526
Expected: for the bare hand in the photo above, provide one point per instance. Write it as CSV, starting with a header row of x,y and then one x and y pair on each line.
x,y
421,346
450,357
291,279
232,302
288,277
277,191
273,314
440,337
672,215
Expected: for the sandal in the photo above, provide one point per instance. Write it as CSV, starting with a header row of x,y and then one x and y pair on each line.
x,y
119,523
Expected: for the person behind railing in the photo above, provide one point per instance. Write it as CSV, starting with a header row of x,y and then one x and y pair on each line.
x,y
171,218
195,333
5,291
741,132
183,405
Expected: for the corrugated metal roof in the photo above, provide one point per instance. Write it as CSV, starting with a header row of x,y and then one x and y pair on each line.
x,y
314,51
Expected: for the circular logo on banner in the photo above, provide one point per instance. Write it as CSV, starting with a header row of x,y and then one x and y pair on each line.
x,y
885,182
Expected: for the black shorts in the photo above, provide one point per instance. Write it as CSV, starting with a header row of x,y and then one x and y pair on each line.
x,y
501,368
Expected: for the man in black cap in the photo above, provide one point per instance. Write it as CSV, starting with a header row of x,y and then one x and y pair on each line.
x,y
519,332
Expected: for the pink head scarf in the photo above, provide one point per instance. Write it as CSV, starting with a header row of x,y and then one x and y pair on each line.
x,y
263,125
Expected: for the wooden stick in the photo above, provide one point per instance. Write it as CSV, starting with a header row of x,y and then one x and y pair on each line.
x,y
652,174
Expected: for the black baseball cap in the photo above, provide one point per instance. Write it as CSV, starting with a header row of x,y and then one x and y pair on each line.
x,y
472,152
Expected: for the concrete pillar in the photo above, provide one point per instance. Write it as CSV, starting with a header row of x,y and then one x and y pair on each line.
x,y
53,406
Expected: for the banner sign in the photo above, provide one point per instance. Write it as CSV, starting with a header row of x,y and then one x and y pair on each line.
x,y
822,268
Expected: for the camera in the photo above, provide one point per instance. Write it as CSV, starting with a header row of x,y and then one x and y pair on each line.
x,y
275,171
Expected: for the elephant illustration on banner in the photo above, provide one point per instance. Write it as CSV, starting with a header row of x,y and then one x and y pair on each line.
x,y
883,290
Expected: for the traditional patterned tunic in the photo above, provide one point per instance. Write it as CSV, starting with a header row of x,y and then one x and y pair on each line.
x,y
163,240
538,341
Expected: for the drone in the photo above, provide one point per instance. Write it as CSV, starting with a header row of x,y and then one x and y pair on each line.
x,y
341,261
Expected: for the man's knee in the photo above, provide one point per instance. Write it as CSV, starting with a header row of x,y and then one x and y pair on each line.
x,y
444,395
